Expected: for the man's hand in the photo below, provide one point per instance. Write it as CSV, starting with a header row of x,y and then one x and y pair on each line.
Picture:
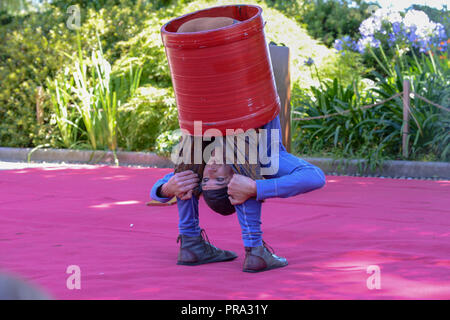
x,y
240,189
180,185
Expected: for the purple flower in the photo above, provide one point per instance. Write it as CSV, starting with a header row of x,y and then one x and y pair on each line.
x,y
376,43
441,32
338,44
396,27
424,46
346,39
412,36
414,28
360,46
371,41
309,62
391,38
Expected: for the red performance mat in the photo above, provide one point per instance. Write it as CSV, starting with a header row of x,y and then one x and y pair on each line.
x,y
95,217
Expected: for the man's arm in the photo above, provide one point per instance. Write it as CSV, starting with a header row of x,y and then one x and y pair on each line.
x,y
155,193
295,176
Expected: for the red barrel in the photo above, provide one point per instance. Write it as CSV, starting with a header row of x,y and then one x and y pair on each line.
x,y
222,77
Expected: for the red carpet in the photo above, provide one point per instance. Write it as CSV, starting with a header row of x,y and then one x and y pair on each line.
x,y
95,217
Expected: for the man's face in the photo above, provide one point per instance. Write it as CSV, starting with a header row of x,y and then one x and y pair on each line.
x,y
216,176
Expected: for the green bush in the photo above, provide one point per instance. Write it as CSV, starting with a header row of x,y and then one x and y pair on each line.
x,y
37,46
150,113
376,133
328,20
37,49
359,133
28,56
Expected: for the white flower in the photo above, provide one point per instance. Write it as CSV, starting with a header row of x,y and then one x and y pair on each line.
x,y
415,18
403,51
369,41
393,17
418,20
369,26
374,23
387,15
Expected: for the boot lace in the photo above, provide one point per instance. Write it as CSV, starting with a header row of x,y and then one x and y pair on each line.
x,y
269,248
206,242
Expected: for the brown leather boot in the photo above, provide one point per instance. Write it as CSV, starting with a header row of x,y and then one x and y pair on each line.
x,y
197,250
260,258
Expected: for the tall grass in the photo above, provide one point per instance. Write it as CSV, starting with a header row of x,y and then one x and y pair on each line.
x,y
63,114
92,96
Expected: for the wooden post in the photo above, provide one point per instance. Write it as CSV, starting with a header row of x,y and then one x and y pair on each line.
x,y
405,130
279,56
39,102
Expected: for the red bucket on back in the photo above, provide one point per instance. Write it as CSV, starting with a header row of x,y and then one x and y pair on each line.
x,y
222,77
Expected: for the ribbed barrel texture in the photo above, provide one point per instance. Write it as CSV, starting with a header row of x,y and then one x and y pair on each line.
x,y
222,77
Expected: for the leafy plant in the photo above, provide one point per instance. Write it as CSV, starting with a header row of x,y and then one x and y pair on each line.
x,y
324,18
63,113
376,133
356,132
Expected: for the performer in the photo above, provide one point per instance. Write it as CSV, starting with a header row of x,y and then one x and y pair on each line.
x,y
295,176
237,190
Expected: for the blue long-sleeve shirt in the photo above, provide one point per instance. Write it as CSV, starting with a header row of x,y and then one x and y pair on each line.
x,y
294,175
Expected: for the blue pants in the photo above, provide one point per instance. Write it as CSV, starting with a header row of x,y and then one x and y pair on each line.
x,y
249,215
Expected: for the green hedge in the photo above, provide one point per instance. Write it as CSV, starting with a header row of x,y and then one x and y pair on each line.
x,y
325,20
37,48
